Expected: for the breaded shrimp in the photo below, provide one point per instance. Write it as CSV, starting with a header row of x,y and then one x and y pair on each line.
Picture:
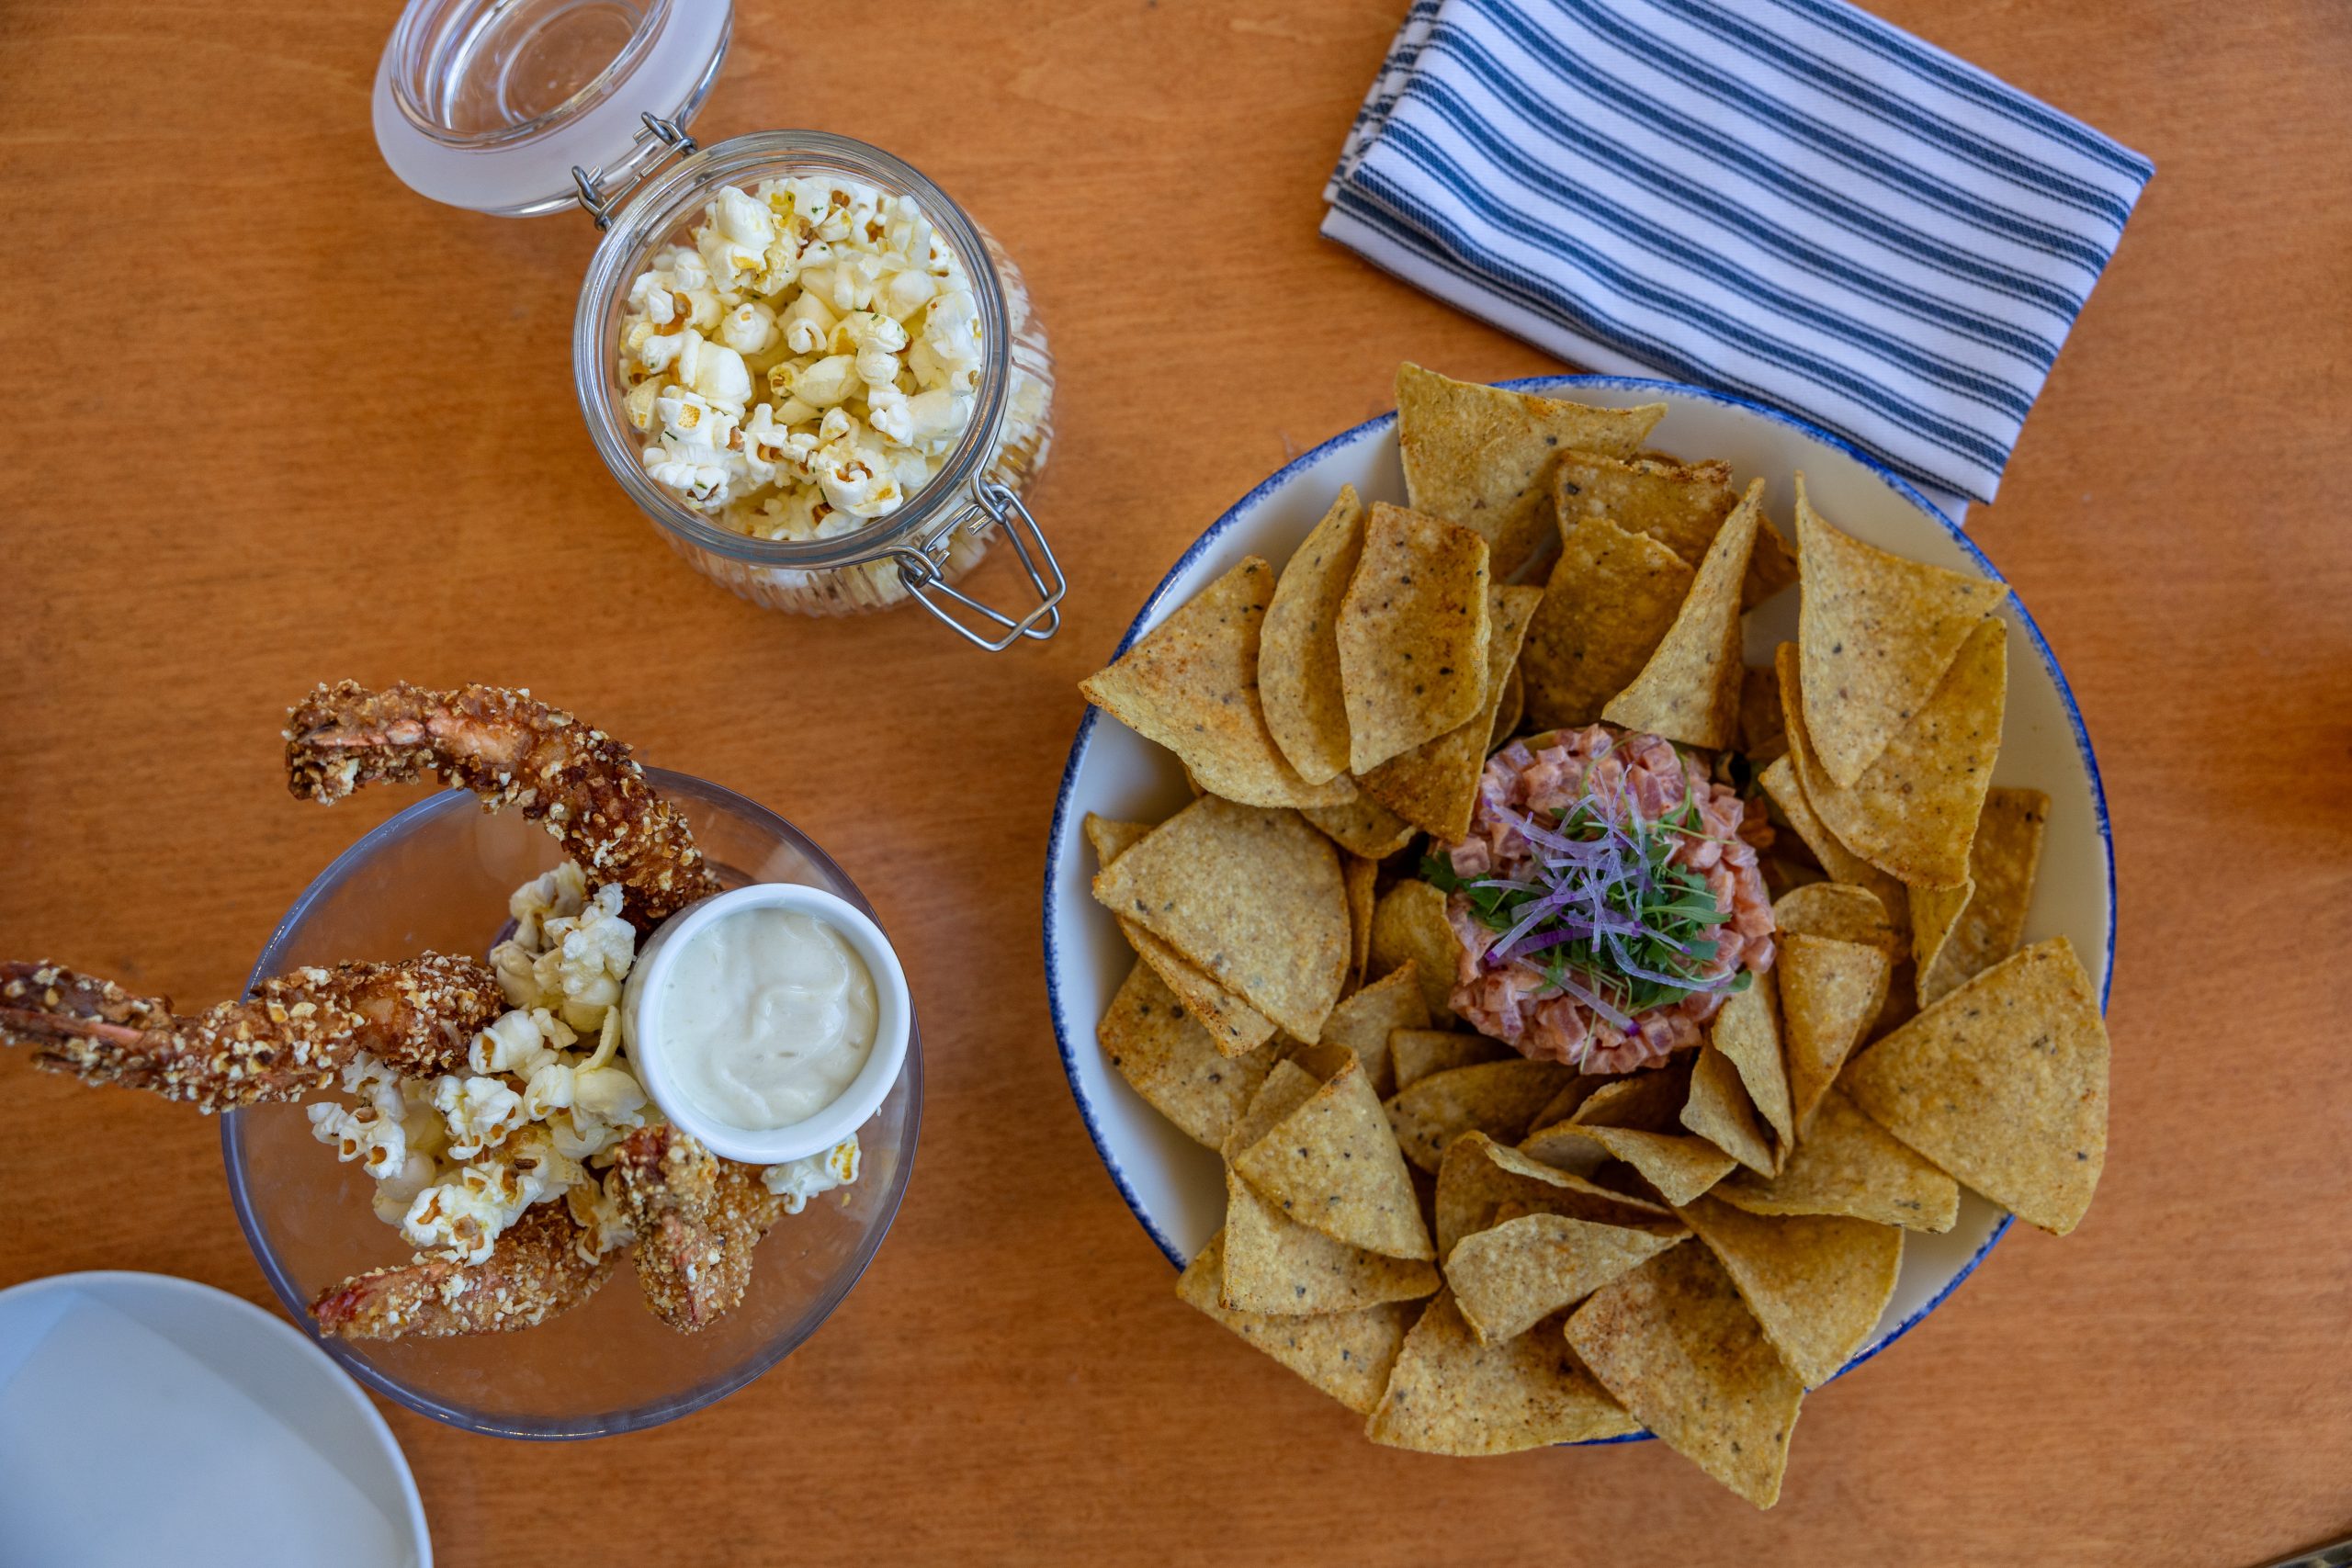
x,y
294,1034
698,1219
510,750
536,1271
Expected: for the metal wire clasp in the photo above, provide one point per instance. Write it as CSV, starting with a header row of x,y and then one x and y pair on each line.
x,y
600,201
921,572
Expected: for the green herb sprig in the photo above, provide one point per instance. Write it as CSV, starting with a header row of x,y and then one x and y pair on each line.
x,y
1603,911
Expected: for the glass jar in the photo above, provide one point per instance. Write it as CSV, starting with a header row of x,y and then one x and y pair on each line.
x,y
523,106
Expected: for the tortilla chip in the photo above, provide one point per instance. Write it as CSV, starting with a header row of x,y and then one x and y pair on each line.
x,y
1109,839
1435,784
1363,827
1785,870
1408,925
1276,1266
1746,1034
1172,1061
1816,1284
1235,1026
1682,506
1842,911
1346,1354
1616,1176
1413,631
1192,685
1287,1087
1481,1179
1829,992
1333,1163
1572,1099
1720,1112
1250,895
1484,458
1511,1209
1514,703
1678,1165
1935,910
1358,876
1877,635
1609,601
1325,1062
1850,1164
1362,1022
2003,1083
1498,1099
1648,1101
1449,1395
1780,782
1958,934
1298,656
1763,735
1913,809
1417,1053
1849,870
1689,689
1674,1344
1772,567
1510,1277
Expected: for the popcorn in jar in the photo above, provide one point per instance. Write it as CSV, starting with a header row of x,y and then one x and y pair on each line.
x,y
805,361
823,382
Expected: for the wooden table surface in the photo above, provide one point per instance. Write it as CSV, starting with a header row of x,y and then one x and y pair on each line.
x,y
278,418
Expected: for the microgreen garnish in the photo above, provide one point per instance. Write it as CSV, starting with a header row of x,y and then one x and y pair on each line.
x,y
1600,909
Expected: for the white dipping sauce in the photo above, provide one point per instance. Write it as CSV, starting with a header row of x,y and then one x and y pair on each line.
x,y
767,1018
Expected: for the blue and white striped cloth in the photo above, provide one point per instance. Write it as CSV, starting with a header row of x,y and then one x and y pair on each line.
x,y
1787,199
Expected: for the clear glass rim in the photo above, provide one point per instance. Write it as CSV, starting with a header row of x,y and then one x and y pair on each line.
x,y
652,215
406,50
609,1422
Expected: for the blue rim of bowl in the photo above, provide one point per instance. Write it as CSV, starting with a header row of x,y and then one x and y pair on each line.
x,y
611,1423
1082,744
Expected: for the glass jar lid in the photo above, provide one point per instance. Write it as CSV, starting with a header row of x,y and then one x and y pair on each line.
x,y
505,106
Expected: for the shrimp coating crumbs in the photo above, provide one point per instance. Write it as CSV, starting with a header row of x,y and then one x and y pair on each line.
x,y
510,750
697,1218
536,1271
294,1034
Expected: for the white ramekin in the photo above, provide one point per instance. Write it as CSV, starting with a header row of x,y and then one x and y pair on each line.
x,y
642,1030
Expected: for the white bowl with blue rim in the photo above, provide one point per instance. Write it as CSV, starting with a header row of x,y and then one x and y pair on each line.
x,y
1176,1187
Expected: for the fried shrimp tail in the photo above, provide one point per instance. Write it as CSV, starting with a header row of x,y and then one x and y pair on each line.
x,y
294,1034
510,750
536,1271
698,1219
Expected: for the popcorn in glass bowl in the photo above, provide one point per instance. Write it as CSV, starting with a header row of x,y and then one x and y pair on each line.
x,y
457,1159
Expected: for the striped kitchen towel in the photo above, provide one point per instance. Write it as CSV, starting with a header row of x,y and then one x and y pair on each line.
x,y
1787,199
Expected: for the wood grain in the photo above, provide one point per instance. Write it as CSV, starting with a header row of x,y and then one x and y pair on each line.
x,y
275,418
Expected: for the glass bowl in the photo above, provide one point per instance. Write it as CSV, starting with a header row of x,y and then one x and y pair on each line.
x,y
437,875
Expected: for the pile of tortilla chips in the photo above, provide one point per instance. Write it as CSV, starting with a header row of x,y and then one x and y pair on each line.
x,y
1479,1253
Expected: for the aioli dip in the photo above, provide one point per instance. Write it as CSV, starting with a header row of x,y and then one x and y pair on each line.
x,y
768,1016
